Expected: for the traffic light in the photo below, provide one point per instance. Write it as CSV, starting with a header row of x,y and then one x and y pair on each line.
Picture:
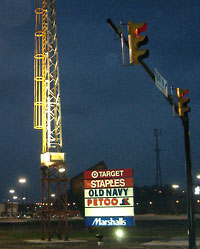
x,y
182,102
135,42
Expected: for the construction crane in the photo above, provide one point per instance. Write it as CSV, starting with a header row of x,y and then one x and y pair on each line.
x,y
47,117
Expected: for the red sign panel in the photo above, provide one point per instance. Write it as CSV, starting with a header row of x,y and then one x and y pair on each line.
x,y
108,183
104,174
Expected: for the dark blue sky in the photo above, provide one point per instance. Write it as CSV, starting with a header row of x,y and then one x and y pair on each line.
x,y
109,112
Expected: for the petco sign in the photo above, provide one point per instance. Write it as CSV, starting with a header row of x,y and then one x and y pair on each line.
x,y
109,197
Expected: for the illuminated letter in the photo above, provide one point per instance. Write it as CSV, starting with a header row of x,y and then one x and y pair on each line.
x,y
114,201
89,201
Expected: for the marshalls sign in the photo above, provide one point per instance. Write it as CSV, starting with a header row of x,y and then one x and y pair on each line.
x,y
108,196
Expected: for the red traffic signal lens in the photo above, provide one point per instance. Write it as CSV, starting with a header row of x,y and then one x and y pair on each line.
x,y
184,93
143,28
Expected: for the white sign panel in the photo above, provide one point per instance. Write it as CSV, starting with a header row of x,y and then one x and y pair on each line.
x,y
109,198
109,202
109,212
112,192
161,83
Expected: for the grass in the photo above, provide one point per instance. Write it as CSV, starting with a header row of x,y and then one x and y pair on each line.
x,y
143,231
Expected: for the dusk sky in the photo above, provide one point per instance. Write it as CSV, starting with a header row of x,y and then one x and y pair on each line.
x,y
109,111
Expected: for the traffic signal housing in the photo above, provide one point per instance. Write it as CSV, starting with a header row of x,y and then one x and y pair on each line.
x,y
182,101
135,42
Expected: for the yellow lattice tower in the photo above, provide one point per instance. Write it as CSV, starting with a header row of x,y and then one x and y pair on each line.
x,y
47,116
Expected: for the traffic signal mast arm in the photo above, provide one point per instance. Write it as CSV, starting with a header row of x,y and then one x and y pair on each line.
x,y
144,65
182,110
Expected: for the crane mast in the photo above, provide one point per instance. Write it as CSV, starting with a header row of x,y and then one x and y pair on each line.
x,y
47,104
47,117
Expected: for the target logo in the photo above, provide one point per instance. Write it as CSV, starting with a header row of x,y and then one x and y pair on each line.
x,y
94,174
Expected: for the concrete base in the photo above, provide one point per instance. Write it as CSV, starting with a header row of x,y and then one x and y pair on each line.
x,y
54,241
100,243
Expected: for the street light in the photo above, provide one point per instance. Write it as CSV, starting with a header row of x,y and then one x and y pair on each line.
x,y
61,169
11,191
198,176
175,186
22,181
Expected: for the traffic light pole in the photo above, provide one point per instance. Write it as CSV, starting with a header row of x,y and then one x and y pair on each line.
x,y
190,203
188,165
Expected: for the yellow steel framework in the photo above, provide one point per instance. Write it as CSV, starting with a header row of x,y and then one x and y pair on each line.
x,y
40,64
47,116
47,106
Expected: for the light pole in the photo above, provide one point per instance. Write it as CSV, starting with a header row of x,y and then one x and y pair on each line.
x,y
12,191
175,188
22,181
15,198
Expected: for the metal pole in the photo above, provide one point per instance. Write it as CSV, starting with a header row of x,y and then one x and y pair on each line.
x,y
190,204
48,205
66,197
12,208
42,207
22,201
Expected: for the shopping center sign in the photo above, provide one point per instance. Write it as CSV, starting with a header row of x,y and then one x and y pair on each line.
x,y
108,196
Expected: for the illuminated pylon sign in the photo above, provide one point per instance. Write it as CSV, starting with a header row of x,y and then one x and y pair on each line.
x,y
135,42
109,197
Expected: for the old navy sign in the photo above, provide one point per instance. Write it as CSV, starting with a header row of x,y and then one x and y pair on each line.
x,y
112,192
108,197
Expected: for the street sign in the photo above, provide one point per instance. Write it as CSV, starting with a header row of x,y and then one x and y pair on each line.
x,y
108,196
161,83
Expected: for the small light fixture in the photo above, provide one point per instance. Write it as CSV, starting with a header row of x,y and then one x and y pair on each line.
x,y
61,170
119,234
99,238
